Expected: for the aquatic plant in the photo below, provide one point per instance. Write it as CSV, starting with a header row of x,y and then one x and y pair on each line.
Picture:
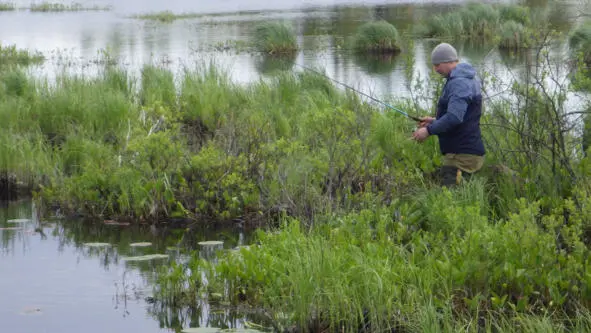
x,y
60,7
580,40
380,36
166,16
519,14
507,24
7,6
513,35
274,38
10,55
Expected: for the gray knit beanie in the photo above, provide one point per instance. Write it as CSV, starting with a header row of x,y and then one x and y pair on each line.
x,y
443,53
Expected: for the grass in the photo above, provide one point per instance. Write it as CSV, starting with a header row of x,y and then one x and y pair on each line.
x,y
166,16
7,7
456,271
10,55
513,36
580,40
510,25
274,38
379,36
59,7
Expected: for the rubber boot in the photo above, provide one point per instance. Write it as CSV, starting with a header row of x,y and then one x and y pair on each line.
x,y
451,176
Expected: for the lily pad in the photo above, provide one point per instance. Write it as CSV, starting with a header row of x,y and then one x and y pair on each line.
x,y
146,257
113,222
211,243
31,311
216,330
97,244
201,330
140,244
19,221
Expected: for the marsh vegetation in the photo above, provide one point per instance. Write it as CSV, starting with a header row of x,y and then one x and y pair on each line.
x,y
354,234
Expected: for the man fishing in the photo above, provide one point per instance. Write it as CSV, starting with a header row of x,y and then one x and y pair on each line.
x,y
457,121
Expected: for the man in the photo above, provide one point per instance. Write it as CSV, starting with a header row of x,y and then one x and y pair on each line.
x,y
457,122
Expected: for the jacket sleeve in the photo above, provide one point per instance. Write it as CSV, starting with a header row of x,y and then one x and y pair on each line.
x,y
459,97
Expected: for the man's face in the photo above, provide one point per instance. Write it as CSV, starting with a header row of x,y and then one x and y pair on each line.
x,y
443,68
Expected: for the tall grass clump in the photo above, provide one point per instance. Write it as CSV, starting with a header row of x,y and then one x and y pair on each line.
x,y
380,36
60,7
580,41
519,14
157,87
512,35
7,7
508,25
10,55
165,16
274,38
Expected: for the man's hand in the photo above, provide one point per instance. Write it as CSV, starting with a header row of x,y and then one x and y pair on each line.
x,y
421,134
426,121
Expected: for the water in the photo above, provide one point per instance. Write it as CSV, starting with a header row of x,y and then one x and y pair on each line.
x,y
75,39
51,282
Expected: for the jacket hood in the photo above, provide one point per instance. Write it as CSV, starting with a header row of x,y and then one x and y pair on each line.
x,y
463,70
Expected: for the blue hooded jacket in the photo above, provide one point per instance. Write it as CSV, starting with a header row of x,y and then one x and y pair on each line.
x,y
459,109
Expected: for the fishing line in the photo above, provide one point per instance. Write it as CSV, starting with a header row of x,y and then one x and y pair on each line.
x,y
362,93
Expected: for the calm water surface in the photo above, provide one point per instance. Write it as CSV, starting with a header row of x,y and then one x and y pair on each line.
x,y
51,282
73,40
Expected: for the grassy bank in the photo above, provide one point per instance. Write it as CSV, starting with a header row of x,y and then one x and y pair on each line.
x,y
384,269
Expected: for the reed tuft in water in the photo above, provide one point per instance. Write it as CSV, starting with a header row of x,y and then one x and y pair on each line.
x,y
60,7
377,37
4,6
580,40
274,38
165,16
10,55
508,25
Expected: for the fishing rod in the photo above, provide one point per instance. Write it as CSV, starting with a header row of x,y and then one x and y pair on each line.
x,y
364,94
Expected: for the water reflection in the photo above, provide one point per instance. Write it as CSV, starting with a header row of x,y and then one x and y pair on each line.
x,y
60,267
269,64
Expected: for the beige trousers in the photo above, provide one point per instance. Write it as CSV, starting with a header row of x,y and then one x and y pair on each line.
x,y
465,162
